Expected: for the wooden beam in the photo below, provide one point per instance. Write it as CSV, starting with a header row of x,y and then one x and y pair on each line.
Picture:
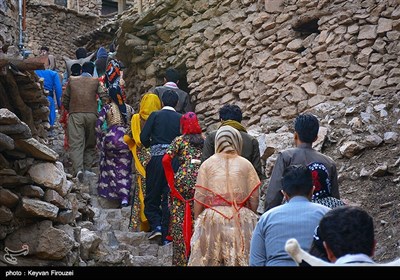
x,y
121,6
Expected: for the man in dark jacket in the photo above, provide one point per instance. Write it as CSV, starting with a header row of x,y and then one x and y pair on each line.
x,y
160,129
232,115
171,81
306,132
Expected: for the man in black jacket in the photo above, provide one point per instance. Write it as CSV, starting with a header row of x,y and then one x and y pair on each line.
x,y
160,129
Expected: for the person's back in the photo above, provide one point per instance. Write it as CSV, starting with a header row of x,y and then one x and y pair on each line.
x,y
232,115
82,95
295,219
79,99
306,132
52,84
171,79
158,132
226,200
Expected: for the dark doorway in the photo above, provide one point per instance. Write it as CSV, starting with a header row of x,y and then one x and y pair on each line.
x,y
61,2
109,7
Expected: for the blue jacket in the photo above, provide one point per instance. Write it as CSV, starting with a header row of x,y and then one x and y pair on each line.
x,y
51,83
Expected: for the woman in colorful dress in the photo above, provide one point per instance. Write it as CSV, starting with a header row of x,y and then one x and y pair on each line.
x,y
187,149
141,155
115,178
226,201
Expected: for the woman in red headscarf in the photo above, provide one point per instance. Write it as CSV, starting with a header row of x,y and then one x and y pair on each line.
x,y
187,149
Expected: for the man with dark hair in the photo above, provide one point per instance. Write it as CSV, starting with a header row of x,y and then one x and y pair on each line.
x,y
171,81
306,132
296,219
161,128
80,53
347,234
230,114
79,99
76,69
51,62
87,69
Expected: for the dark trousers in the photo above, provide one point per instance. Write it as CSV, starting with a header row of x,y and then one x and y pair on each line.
x,y
157,194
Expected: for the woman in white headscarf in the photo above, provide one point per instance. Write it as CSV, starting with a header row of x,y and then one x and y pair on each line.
x,y
226,200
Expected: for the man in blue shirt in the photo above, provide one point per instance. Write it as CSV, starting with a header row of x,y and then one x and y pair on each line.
x,y
52,84
295,219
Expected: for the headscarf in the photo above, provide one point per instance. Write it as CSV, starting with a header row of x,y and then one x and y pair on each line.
x,y
321,182
113,76
228,139
322,186
101,53
101,61
113,73
190,124
150,102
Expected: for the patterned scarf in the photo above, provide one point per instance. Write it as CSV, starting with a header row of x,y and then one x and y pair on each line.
x,y
320,179
228,139
113,76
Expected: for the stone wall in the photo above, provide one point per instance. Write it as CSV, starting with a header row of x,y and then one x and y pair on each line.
x,y
57,27
274,58
34,191
8,22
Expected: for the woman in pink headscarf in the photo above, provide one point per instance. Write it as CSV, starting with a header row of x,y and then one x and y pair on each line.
x,y
187,149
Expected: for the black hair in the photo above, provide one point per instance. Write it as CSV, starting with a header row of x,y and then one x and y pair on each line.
x,y
44,49
306,126
348,230
317,246
76,69
172,75
101,65
230,112
196,140
169,98
88,67
297,180
80,53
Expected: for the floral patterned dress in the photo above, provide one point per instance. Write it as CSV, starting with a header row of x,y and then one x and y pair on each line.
x,y
185,178
115,176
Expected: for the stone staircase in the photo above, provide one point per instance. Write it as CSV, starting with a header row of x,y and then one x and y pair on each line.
x,y
105,238
107,241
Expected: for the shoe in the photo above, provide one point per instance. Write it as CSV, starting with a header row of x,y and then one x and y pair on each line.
x,y
90,173
155,233
79,175
51,133
124,203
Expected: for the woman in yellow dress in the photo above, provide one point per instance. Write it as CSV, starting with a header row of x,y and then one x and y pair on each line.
x,y
150,102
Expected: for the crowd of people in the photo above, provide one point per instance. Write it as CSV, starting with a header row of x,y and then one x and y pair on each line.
x,y
200,192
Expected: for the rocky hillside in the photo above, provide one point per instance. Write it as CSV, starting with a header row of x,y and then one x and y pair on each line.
x,y
361,134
